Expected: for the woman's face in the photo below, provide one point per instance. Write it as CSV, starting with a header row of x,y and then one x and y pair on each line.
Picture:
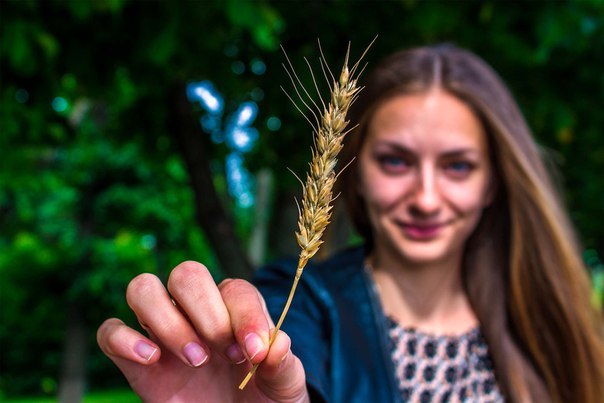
x,y
425,176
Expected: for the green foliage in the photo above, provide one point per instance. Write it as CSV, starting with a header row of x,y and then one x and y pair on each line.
x,y
260,19
93,189
597,270
109,396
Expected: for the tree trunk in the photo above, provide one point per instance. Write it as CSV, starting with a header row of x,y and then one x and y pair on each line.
x,y
262,206
210,213
72,380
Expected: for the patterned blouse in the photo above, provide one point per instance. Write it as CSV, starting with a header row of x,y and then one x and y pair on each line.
x,y
434,368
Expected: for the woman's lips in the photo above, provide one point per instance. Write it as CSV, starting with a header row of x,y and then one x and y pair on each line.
x,y
422,231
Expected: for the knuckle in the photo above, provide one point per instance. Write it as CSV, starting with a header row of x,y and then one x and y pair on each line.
x,y
234,287
184,273
106,334
139,286
224,282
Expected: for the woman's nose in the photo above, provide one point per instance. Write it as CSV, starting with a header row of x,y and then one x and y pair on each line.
x,y
426,197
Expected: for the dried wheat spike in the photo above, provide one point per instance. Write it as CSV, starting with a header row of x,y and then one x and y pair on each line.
x,y
329,130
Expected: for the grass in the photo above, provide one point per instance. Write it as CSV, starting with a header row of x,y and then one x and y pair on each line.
x,y
109,396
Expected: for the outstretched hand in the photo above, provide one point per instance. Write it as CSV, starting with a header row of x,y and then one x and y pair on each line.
x,y
202,340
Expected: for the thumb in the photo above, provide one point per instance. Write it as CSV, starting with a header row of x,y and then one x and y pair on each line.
x,y
281,375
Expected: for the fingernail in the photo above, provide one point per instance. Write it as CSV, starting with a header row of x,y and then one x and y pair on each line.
x,y
235,354
144,350
253,345
289,349
195,354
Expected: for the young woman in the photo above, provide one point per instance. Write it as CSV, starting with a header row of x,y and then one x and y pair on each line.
x,y
469,287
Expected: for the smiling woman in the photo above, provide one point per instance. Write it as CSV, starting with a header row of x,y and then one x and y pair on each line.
x,y
464,229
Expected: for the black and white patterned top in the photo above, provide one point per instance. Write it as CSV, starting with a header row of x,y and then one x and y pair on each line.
x,y
434,368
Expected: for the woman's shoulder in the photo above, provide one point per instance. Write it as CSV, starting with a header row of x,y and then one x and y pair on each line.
x,y
339,266
324,285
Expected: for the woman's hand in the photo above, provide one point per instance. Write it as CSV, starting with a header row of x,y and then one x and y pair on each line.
x,y
203,339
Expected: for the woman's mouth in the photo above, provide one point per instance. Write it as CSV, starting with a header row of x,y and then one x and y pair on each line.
x,y
422,232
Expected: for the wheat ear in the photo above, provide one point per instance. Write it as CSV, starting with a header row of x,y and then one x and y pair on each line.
x,y
329,131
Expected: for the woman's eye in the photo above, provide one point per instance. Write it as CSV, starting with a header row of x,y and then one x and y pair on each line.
x,y
393,164
459,169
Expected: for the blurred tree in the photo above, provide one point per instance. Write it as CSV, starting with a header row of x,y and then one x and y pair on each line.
x,y
105,166
95,188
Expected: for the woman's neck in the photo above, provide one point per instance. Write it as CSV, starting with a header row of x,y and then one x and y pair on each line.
x,y
430,297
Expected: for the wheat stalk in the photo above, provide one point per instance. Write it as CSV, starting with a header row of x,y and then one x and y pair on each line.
x,y
329,130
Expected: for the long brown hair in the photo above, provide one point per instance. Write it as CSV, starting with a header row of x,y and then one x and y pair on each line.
x,y
522,268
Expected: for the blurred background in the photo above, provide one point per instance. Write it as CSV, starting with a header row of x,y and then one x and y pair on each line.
x,y
137,134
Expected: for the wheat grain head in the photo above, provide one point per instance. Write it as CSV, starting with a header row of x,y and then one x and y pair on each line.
x,y
317,196
329,130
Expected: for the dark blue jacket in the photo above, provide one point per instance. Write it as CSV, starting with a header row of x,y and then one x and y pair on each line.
x,y
337,327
